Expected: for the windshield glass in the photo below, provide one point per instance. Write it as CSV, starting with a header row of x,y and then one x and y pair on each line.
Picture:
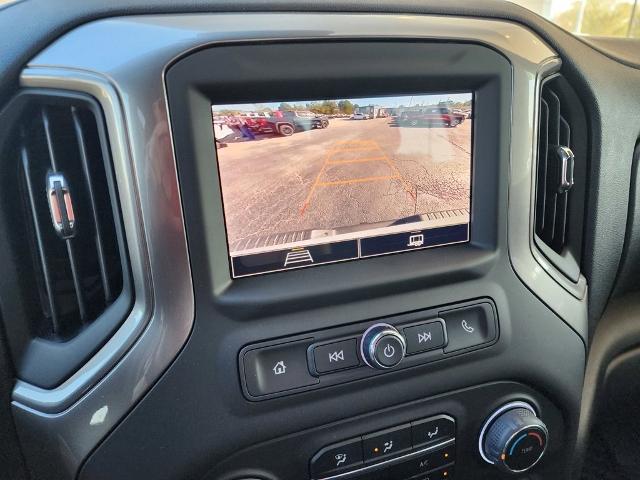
x,y
603,18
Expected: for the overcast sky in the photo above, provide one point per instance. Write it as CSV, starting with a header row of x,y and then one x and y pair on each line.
x,y
407,100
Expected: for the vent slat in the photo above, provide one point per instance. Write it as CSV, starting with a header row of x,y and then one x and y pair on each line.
x,y
46,274
554,117
559,237
565,132
47,131
77,281
100,251
543,146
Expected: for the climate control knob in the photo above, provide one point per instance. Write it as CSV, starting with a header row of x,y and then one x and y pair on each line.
x,y
382,346
514,439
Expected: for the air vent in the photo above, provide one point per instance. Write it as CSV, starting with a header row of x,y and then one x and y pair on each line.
x,y
67,287
560,175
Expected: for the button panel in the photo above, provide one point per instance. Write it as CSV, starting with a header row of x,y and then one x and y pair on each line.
x,y
395,453
334,356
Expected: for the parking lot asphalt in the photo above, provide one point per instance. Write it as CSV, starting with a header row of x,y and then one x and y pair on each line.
x,y
353,172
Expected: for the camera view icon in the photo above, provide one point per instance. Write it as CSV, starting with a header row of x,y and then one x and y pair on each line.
x,y
416,240
298,255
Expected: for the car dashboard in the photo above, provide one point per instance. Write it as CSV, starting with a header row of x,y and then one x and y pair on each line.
x,y
216,298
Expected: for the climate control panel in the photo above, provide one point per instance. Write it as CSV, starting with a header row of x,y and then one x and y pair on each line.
x,y
420,449
352,352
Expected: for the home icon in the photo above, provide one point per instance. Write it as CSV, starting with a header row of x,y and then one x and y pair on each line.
x,y
279,368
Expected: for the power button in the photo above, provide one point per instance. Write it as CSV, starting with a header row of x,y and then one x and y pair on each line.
x,y
382,346
389,351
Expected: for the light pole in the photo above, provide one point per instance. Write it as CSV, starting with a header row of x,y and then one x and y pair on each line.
x,y
632,20
580,20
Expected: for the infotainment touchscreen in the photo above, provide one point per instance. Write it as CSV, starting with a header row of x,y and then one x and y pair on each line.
x,y
307,183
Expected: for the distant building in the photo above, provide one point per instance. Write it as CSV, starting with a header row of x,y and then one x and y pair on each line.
x,y
374,111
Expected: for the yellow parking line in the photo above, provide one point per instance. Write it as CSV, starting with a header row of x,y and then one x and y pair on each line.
x,y
354,149
352,145
316,182
407,185
357,180
341,142
357,160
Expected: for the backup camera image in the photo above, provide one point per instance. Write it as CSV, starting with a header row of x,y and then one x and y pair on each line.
x,y
313,182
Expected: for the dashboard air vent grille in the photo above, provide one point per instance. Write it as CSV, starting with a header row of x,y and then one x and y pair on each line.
x,y
561,175
63,175
553,196
64,233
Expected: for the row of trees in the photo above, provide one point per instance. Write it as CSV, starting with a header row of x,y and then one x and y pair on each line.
x,y
326,107
329,107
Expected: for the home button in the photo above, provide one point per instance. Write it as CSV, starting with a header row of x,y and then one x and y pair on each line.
x,y
277,368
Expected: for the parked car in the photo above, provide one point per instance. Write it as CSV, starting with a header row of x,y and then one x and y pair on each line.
x,y
359,116
289,122
432,116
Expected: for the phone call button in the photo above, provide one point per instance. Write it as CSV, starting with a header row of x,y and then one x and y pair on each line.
x,y
469,326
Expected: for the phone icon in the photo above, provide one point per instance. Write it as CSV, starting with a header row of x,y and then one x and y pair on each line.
x,y
467,328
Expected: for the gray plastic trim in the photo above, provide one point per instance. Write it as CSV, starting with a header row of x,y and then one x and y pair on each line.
x,y
121,62
75,416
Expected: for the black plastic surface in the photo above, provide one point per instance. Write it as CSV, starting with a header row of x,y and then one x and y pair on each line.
x,y
629,275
